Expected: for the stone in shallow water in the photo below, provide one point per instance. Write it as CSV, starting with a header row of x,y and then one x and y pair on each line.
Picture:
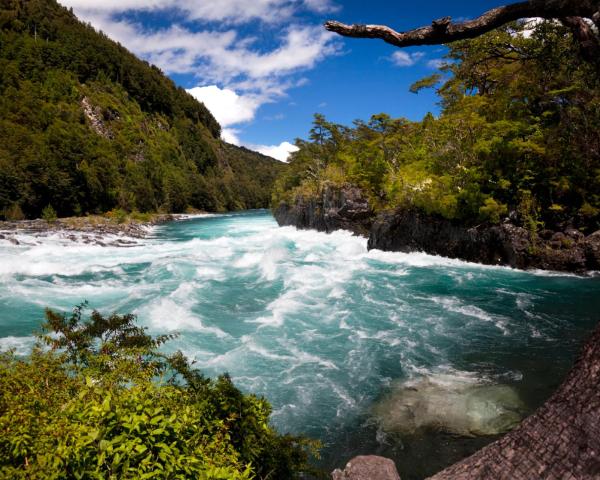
x,y
456,404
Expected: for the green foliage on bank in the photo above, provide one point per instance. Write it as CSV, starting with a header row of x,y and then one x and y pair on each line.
x,y
517,135
98,400
86,127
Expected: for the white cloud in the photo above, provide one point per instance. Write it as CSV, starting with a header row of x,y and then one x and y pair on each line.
x,y
230,135
436,63
224,56
402,58
280,152
230,11
227,106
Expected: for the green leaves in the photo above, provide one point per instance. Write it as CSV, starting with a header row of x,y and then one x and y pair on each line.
x,y
427,82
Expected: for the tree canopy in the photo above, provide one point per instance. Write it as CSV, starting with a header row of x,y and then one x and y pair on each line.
x,y
517,136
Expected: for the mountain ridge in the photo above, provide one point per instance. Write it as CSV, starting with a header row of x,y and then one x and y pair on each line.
x,y
87,127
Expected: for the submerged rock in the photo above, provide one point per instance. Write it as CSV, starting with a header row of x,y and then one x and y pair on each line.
x,y
458,405
560,440
368,467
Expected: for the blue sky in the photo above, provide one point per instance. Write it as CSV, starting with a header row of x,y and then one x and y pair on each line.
x,y
265,67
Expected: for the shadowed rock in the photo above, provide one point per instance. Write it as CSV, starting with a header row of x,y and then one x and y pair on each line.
x,y
410,230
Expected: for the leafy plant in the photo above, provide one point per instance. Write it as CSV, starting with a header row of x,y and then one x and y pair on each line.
x,y
98,399
49,214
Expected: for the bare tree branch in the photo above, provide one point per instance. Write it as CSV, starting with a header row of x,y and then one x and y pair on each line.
x,y
444,31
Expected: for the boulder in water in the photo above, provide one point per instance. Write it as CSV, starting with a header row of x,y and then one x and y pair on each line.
x,y
367,467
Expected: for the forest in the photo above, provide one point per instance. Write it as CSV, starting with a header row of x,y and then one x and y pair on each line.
x,y
516,138
86,127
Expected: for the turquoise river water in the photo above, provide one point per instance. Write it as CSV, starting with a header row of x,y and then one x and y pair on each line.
x,y
420,358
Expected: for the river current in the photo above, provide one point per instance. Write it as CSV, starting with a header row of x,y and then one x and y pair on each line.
x,y
420,358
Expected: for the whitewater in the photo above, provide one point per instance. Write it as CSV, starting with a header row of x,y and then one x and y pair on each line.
x,y
404,354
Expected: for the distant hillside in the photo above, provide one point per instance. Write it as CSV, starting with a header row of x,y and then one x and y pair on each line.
x,y
87,127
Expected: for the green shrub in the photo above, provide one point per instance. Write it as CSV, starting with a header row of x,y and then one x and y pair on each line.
x,y
492,210
118,215
49,214
14,213
102,402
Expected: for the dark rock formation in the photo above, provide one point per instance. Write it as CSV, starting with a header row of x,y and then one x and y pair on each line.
x,y
344,208
504,244
559,441
408,230
368,467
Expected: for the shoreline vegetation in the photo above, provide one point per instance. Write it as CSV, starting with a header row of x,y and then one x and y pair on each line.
x,y
508,173
124,409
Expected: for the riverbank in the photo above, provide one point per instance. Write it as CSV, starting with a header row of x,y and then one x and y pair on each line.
x,y
93,229
410,230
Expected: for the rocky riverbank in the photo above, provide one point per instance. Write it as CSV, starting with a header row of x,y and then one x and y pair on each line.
x,y
98,230
407,230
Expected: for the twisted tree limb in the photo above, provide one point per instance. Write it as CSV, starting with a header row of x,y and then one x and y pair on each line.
x,y
571,12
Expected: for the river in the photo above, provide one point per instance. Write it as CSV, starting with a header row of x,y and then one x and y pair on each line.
x,y
417,357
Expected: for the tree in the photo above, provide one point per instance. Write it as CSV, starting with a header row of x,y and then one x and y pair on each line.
x,y
578,15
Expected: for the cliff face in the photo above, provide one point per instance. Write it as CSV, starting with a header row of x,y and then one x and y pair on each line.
x,y
343,208
407,230
504,244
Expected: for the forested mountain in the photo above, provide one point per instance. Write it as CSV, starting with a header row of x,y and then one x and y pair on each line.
x,y
87,127
517,138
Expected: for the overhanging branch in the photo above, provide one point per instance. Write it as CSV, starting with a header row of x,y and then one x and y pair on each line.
x,y
444,31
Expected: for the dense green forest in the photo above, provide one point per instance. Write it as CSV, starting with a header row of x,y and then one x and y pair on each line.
x,y
87,127
97,399
517,136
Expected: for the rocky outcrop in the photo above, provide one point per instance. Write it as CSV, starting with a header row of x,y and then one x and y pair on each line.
x,y
337,208
504,244
369,467
96,118
408,230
